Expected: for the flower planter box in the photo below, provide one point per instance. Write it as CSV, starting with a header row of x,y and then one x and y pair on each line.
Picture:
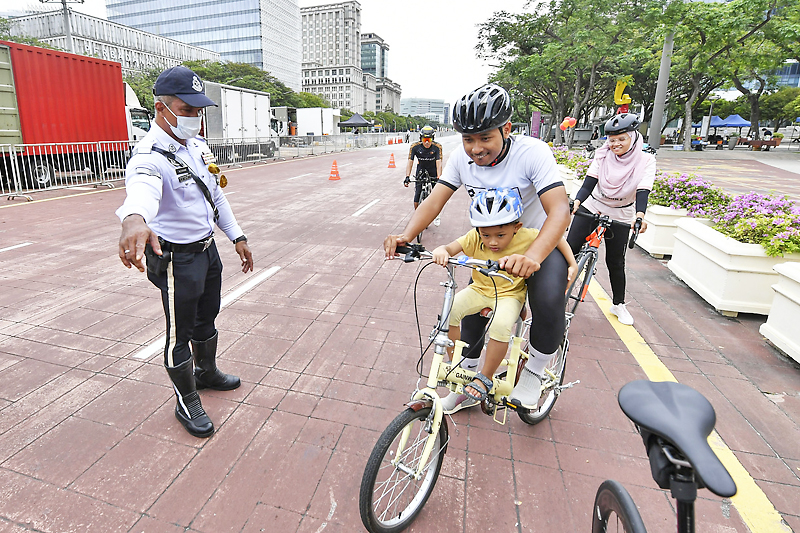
x,y
732,276
781,325
567,176
659,239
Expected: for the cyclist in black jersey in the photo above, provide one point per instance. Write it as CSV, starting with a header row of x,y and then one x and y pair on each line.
x,y
429,157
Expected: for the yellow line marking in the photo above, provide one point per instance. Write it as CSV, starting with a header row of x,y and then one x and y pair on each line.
x,y
750,501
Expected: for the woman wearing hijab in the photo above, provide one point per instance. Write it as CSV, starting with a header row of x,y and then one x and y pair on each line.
x,y
617,184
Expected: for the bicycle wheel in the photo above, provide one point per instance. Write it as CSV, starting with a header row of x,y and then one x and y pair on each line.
x,y
390,499
550,391
426,191
614,507
580,285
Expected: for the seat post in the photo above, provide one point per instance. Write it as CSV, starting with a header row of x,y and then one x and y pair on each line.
x,y
684,490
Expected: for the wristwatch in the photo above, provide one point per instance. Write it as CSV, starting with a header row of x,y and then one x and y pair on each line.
x,y
242,238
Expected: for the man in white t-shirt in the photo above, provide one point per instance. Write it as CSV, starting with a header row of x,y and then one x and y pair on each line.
x,y
493,159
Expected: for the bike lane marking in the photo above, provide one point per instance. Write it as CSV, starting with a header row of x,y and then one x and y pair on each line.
x,y
15,246
361,211
753,506
158,345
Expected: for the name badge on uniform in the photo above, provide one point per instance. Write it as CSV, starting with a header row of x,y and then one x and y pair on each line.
x,y
183,174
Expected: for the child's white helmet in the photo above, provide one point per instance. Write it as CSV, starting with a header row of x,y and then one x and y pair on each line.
x,y
495,207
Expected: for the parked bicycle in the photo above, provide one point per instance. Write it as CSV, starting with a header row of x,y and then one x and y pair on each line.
x,y
588,255
674,422
427,182
405,463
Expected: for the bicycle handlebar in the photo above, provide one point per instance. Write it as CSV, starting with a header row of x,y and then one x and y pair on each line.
x,y
637,226
487,267
606,222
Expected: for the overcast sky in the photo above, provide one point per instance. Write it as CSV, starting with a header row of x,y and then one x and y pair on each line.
x,y
431,42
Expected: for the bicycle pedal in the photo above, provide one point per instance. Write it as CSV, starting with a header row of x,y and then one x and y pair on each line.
x,y
516,406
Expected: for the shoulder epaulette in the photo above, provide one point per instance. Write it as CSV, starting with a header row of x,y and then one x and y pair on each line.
x,y
144,146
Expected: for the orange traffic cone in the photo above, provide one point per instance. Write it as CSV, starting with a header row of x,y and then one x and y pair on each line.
x,y
391,161
391,141
334,172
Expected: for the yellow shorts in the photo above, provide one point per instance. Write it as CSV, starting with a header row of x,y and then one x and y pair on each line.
x,y
468,302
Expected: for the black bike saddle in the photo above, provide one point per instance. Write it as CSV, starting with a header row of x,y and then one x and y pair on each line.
x,y
684,417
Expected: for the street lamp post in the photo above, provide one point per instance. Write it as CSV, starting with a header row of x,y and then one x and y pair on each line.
x,y
67,29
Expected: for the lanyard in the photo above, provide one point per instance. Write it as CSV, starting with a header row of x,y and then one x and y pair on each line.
x,y
184,168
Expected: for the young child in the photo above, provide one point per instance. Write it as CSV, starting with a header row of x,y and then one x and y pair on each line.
x,y
495,214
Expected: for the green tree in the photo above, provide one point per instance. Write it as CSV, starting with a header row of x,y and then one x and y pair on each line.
x,y
708,42
565,56
142,84
5,35
773,106
304,99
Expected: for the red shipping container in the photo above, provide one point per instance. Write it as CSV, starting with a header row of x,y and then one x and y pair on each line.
x,y
67,98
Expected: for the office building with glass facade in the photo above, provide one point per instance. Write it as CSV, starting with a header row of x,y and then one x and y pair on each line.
x,y
264,33
375,61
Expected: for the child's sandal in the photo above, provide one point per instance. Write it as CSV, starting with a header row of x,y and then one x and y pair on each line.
x,y
483,394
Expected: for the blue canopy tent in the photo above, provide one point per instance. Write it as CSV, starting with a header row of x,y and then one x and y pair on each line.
x,y
735,121
716,122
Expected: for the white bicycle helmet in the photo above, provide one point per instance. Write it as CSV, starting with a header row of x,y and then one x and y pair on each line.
x,y
495,207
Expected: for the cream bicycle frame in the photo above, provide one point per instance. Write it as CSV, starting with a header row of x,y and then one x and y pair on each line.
x,y
455,379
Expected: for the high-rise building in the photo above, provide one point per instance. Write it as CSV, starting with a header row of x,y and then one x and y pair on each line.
x,y
375,61
333,65
264,33
374,55
429,108
136,50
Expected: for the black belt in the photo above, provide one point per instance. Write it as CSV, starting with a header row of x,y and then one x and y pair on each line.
x,y
191,248
619,206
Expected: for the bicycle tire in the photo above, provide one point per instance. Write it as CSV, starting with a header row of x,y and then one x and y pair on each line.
x,y
612,500
557,366
402,508
580,285
426,191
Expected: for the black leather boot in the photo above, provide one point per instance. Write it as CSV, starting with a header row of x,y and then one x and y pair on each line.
x,y
189,411
206,373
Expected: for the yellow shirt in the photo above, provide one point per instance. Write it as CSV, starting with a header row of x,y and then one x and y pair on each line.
x,y
471,244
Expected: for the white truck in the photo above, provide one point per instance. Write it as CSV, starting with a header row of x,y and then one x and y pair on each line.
x,y
137,118
313,121
241,128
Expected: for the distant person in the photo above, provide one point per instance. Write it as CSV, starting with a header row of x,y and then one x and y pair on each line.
x,y
767,134
595,133
174,201
429,157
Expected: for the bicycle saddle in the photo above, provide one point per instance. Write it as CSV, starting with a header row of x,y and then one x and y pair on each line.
x,y
684,417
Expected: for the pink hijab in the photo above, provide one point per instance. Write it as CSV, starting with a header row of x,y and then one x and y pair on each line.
x,y
619,176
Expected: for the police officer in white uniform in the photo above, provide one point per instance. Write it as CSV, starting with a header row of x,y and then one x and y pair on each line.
x,y
173,203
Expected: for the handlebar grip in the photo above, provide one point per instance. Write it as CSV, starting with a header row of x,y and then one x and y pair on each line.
x,y
637,226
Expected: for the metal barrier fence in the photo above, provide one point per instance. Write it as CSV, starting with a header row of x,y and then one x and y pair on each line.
x,y
30,168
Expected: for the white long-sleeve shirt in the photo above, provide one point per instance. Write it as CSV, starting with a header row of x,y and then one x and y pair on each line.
x,y
175,209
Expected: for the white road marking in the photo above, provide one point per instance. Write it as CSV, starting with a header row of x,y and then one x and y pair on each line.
x,y
345,164
300,176
360,211
229,193
15,246
158,345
